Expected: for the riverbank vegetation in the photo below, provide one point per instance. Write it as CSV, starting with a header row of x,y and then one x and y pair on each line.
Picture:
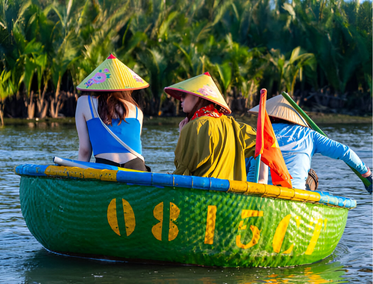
x,y
318,51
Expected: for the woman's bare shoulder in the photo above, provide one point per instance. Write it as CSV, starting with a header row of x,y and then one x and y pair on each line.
x,y
83,98
82,107
132,111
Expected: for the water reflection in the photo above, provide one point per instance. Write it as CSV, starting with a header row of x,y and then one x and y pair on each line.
x,y
46,267
43,125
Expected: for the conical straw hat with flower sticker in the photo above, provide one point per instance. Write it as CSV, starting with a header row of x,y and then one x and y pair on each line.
x,y
201,86
111,76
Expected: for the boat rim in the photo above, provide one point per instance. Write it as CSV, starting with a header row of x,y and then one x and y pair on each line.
x,y
188,182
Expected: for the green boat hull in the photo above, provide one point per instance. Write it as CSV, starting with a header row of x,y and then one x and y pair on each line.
x,y
171,224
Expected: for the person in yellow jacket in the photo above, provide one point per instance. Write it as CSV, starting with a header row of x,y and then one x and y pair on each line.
x,y
210,144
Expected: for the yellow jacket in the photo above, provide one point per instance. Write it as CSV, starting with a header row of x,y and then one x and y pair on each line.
x,y
214,147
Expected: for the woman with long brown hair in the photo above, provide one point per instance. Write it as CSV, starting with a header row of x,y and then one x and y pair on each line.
x,y
108,120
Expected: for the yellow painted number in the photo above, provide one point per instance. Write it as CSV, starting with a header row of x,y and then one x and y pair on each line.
x,y
129,217
255,231
174,213
157,228
210,224
281,231
280,235
315,236
158,214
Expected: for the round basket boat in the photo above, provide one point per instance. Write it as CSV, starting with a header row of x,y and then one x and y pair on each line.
x,y
150,217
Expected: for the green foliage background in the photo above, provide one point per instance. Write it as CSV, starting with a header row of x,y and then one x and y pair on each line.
x,y
49,46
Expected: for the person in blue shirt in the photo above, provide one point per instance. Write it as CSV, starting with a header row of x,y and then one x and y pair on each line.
x,y
108,120
298,143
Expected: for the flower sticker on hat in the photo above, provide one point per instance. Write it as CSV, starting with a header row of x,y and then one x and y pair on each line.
x,y
136,77
98,78
207,91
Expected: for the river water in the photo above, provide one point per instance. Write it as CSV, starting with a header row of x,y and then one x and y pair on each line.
x,y
24,260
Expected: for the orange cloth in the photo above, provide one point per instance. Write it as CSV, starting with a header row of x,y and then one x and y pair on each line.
x,y
267,146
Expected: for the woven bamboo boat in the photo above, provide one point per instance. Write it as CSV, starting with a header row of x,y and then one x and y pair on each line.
x,y
150,218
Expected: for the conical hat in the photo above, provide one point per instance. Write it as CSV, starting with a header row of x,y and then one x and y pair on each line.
x,y
112,75
279,107
201,86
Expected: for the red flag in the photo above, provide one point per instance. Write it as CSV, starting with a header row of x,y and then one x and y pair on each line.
x,y
267,146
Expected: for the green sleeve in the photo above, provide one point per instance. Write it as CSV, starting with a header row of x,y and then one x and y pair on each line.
x,y
193,148
249,136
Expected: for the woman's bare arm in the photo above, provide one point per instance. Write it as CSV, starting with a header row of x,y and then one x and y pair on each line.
x,y
85,148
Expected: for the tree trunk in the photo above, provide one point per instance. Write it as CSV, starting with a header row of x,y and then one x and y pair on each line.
x,y
52,108
58,87
30,106
42,104
55,107
55,104
42,108
2,114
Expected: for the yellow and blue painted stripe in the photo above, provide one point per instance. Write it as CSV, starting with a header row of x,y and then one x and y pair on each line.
x,y
193,182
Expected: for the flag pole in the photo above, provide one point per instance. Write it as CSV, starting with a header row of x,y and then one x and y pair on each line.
x,y
268,149
259,142
257,168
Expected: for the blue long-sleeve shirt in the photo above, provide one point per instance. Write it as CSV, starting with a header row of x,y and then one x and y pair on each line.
x,y
298,144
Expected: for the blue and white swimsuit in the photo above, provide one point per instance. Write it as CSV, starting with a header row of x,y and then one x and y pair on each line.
x,y
103,142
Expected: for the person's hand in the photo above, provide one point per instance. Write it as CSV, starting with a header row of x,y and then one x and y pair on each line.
x,y
368,176
182,123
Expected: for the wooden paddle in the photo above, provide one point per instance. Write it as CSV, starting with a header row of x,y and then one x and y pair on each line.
x,y
313,125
